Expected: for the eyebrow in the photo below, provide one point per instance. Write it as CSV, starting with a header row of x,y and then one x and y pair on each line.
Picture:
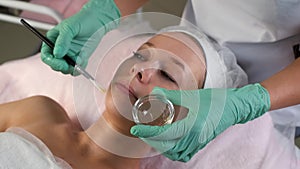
x,y
149,44
177,63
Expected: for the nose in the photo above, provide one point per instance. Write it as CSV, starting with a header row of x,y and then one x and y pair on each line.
x,y
144,75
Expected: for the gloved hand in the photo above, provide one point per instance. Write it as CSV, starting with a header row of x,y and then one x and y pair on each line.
x,y
211,111
73,33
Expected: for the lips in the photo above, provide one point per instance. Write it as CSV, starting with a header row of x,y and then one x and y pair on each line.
x,y
126,89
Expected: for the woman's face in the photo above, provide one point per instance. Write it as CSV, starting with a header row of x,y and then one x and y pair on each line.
x,y
170,60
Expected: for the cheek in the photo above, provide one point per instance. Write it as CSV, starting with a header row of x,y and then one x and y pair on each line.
x,y
169,85
189,82
123,69
118,104
109,103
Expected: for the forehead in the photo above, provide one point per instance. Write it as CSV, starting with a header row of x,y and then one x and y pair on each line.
x,y
180,44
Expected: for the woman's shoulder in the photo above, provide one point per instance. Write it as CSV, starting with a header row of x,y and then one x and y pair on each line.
x,y
37,111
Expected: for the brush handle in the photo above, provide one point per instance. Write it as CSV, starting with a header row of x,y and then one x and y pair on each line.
x,y
69,60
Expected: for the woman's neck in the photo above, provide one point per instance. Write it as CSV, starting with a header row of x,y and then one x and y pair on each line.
x,y
113,146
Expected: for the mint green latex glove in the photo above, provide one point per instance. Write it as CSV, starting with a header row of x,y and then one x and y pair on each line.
x,y
211,111
73,33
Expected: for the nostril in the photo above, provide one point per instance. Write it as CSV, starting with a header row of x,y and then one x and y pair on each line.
x,y
132,70
139,75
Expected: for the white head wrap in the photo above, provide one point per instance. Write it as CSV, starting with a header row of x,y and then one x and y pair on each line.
x,y
222,68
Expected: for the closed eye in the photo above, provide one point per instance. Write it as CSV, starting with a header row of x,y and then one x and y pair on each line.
x,y
167,76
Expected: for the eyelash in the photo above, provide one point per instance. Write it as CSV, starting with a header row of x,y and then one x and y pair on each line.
x,y
167,76
139,56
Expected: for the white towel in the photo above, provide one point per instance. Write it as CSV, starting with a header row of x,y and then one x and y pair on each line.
x,y
20,149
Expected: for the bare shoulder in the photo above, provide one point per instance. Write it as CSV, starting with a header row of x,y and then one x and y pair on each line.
x,y
32,111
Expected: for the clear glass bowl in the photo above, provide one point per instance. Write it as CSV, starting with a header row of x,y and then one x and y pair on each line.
x,y
153,109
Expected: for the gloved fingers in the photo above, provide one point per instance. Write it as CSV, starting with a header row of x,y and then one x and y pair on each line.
x,y
186,147
79,53
88,47
53,34
172,95
146,131
179,156
187,98
176,157
63,41
173,156
172,131
57,64
188,156
46,51
181,149
161,146
189,152
165,145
